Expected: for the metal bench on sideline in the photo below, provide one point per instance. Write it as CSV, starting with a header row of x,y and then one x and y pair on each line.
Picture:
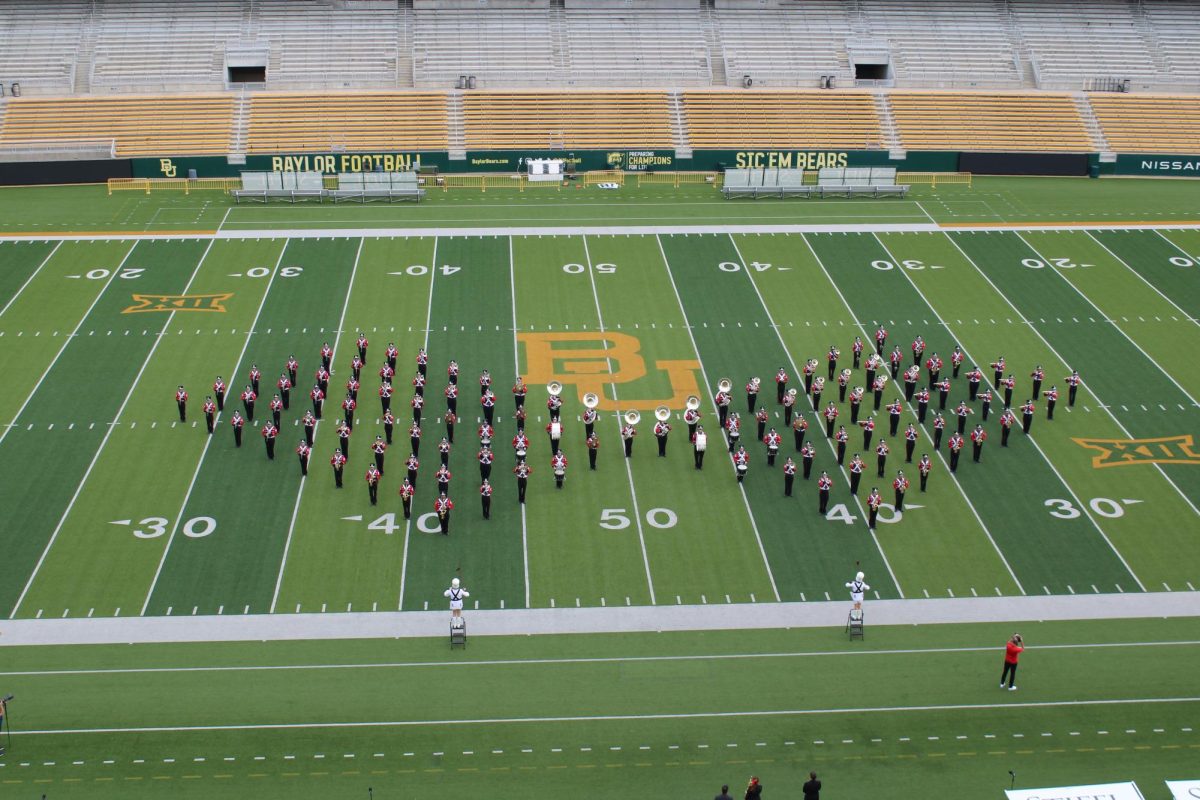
x,y
291,186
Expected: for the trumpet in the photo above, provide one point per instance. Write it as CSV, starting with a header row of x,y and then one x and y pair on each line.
x,y
725,385
591,400
633,417
554,388
662,413
693,402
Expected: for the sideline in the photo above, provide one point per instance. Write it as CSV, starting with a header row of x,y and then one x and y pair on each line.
x,y
619,619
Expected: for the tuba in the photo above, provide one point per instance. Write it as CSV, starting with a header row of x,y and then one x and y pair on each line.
x,y
633,417
662,413
725,385
693,403
591,400
554,388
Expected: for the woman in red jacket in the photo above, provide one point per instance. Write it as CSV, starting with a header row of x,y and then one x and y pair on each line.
x,y
1012,651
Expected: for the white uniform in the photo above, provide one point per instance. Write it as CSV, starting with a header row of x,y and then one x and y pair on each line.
x,y
857,588
456,596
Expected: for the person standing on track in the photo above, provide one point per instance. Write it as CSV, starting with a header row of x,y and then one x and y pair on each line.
x,y
1012,652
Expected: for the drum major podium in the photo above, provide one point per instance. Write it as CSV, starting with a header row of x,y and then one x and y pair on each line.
x,y
458,632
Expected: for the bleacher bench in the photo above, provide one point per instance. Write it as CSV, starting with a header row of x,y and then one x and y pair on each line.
x,y
765,182
364,186
851,181
292,186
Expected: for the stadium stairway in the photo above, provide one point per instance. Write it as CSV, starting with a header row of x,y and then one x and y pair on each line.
x,y
1090,123
456,126
679,126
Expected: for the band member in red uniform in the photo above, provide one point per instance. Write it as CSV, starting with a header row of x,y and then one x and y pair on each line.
x,y
1027,415
722,400
752,387
918,350
789,476
348,407
943,390
318,399
856,470
276,406
210,413
519,391
831,414
485,497
356,366
442,476
1008,384
843,381
219,393
978,437
443,505
691,418
310,426
824,485
248,398
789,406
856,396
881,336
627,434
1037,376
422,362
772,440
343,433
809,369
417,403
486,434
486,458
451,393
269,432
881,454
1007,420
956,360
389,424
874,362
900,485
857,349
352,387
411,465
379,447
558,465
911,435
962,410
831,359
998,367
1073,381
818,387
874,501
255,377
741,463
303,451
799,429
878,387
361,344
326,356
414,438
452,371
522,470
385,397
868,427
293,368
338,462
894,409
554,432
520,444
662,430
699,445
911,376
181,398
284,385
939,426
921,396
485,382
974,378
373,484
450,419
955,444
933,367
391,354
896,359
985,404
322,376
841,439
1051,396
444,451
386,373
781,382
924,467
761,418
733,431
488,401
237,423
406,492
593,444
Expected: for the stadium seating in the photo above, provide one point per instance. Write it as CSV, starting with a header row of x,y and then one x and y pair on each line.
x,y
359,121
1072,43
866,181
1148,123
659,48
579,119
792,47
1176,26
38,44
948,43
1000,121
140,125
782,119
509,48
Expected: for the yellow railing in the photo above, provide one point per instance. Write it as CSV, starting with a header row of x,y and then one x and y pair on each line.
x,y
675,179
604,176
185,185
934,178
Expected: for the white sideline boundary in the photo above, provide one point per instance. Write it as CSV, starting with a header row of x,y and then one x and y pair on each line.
x,y
589,230
611,619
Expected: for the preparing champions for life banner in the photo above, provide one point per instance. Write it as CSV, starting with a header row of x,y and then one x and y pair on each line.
x,y
1099,791
1184,790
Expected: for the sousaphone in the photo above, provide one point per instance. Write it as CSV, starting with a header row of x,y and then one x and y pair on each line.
x,y
591,400
554,388
725,385
693,403
633,417
662,413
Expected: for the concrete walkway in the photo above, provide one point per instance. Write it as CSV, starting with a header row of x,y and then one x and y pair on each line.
x,y
636,619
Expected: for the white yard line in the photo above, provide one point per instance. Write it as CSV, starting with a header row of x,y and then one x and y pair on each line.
x,y
1106,408
29,280
433,269
535,662
796,371
1117,327
704,374
110,428
791,712
67,341
1142,278
940,456
637,514
512,291
208,439
337,338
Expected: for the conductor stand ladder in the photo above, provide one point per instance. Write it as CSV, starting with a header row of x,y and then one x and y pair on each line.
x,y
458,632
854,624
